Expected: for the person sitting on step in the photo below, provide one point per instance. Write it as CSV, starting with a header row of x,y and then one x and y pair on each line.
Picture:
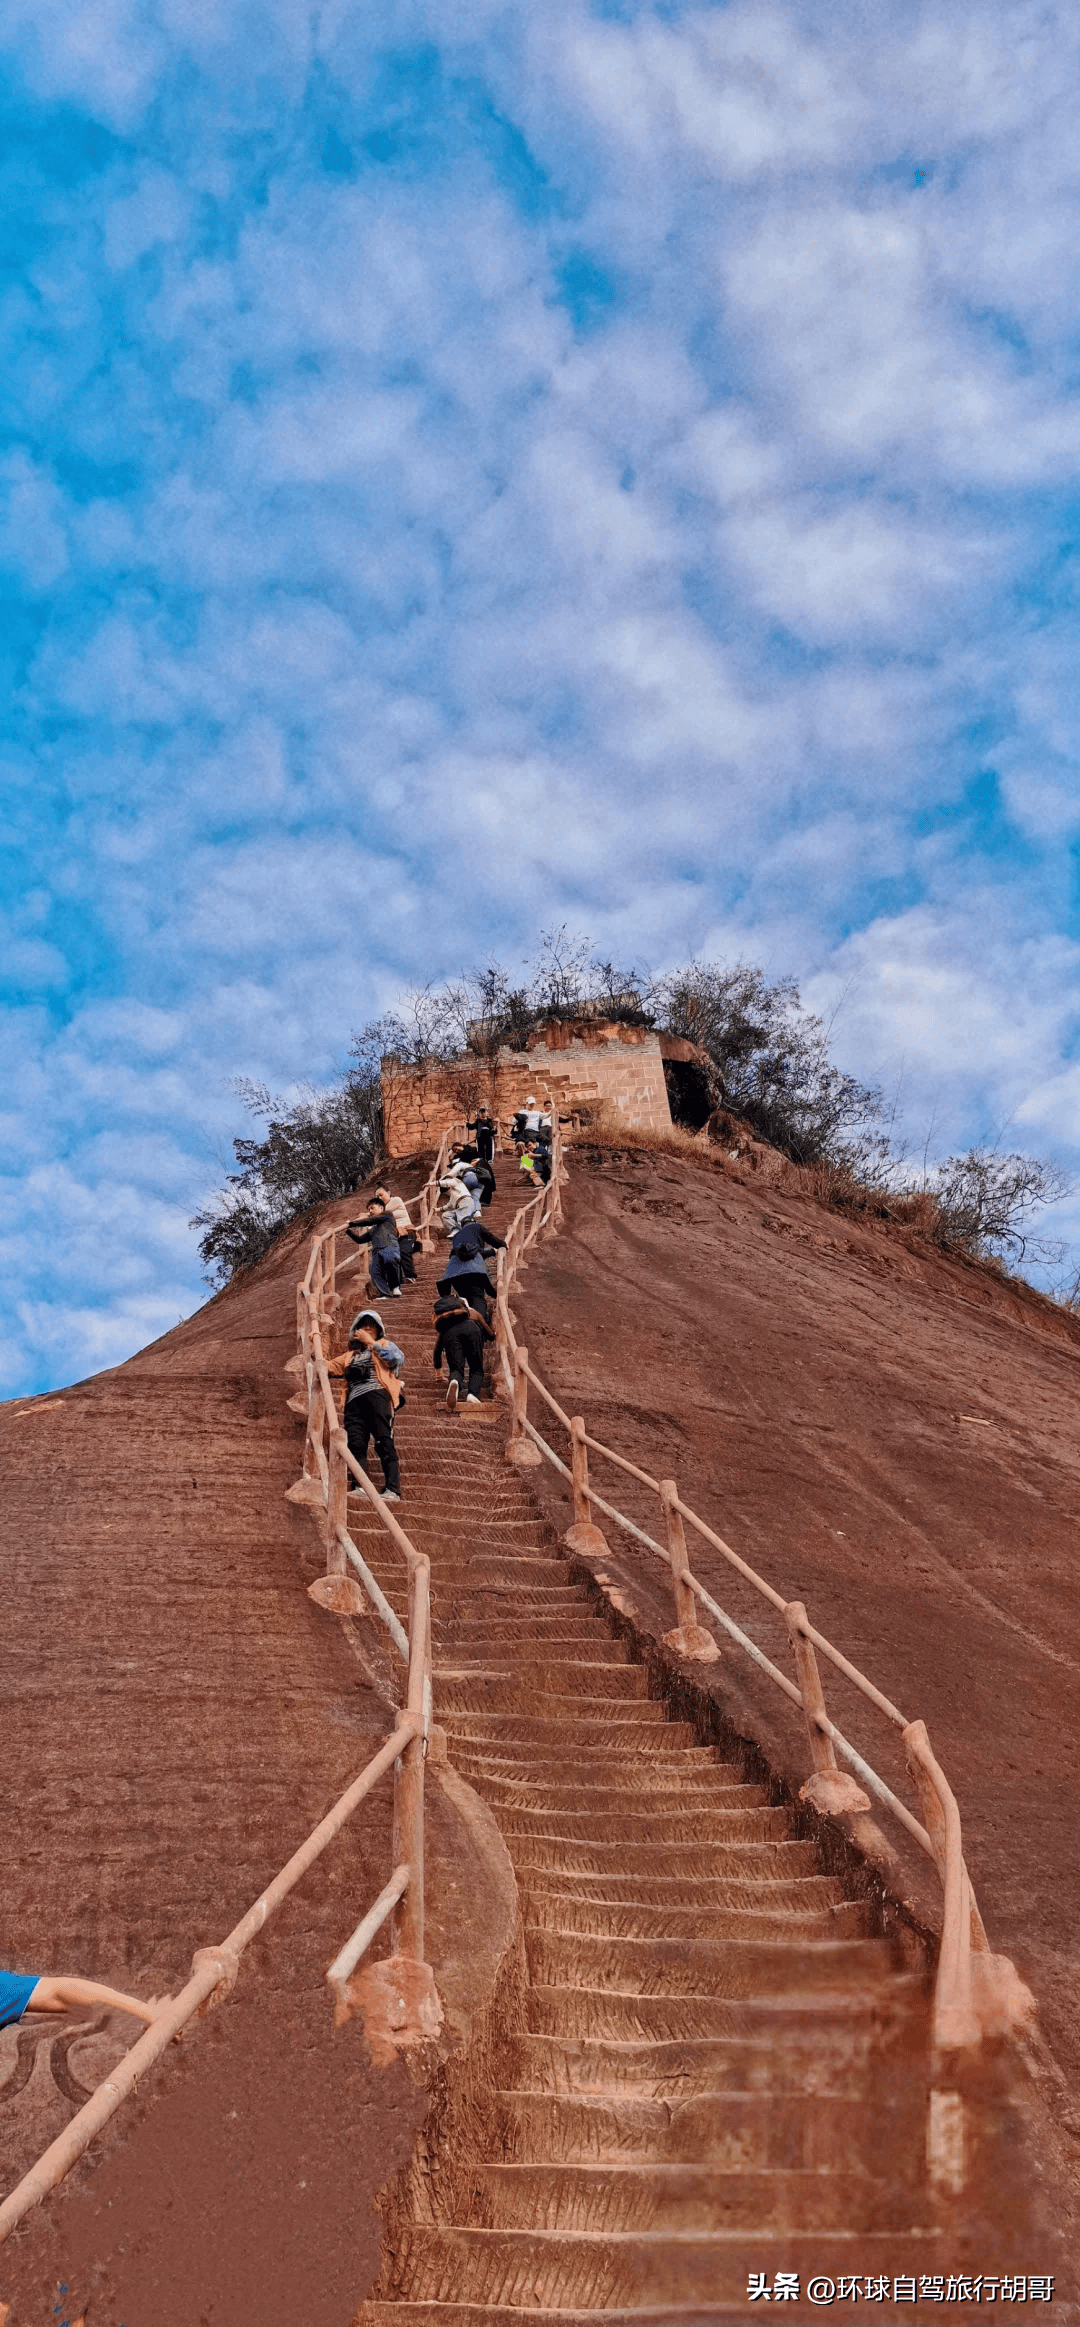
x,y
460,1335
380,1232
24,1992
372,1368
466,1269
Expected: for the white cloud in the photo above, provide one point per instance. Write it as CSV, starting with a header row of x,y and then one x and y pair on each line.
x,y
381,604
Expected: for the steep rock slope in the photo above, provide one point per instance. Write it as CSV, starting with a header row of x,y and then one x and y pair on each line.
x,y
177,1716
884,1433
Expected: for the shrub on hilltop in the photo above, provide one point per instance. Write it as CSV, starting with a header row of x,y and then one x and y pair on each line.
x,y
768,1063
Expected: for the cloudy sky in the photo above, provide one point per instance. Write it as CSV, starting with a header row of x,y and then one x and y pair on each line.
x,y
471,467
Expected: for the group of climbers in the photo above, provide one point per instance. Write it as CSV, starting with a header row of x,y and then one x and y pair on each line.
x,y
373,1367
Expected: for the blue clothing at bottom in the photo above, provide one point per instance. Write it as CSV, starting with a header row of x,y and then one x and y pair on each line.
x,y
16,1989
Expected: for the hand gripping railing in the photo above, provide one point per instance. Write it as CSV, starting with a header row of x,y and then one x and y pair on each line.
x,y
975,1993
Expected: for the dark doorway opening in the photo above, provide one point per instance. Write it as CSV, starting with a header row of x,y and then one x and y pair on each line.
x,y
690,1096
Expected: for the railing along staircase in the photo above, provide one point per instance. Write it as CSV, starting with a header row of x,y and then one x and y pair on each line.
x,y
670,1871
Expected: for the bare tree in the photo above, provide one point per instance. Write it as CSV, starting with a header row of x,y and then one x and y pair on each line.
x,y
990,1203
772,1062
322,1145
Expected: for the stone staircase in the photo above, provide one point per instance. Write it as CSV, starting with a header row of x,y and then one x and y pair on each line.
x,y
721,2069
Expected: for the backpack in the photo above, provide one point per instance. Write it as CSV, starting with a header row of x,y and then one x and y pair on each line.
x,y
387,1379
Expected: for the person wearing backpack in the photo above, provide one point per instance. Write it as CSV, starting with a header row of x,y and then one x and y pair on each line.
x,y
372,1369
466,1269
460,1334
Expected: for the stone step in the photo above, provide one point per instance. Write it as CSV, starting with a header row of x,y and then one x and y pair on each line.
x,y
830,2056
546,1690
640,1726
692,1967
698,1861
591,1918
683,1797
650,2197
530,2270
580,2012
588,1657
643,1769
448,1603
735,2131
587,1674
642,1826
802,1895
482,1570
571,1625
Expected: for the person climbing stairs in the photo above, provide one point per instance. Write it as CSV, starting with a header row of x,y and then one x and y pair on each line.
x,y
697,2091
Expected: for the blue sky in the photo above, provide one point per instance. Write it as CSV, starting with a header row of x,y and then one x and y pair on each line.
x,y
468,469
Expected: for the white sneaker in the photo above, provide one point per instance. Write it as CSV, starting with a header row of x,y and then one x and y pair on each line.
x,y
452,1396
471,1401
395,1295
389,1496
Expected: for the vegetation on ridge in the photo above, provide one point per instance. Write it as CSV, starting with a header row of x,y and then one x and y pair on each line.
x,y
760,1055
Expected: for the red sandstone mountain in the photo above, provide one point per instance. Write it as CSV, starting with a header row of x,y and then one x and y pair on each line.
x,y
886,1434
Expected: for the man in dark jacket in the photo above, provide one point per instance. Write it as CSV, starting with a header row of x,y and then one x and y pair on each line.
x,y
484,1128
466,1270
460,1337
380,1231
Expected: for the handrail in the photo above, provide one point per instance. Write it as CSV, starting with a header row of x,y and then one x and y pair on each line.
x,y
957,1997
214,1970
213,1974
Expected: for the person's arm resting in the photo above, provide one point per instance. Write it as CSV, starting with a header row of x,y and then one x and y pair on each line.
x,y
59,1995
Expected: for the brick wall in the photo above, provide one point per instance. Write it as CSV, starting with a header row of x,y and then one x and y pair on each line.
x,y
580,1065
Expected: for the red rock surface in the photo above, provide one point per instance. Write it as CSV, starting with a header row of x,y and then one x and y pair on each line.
x,y
177,1716
885,1433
